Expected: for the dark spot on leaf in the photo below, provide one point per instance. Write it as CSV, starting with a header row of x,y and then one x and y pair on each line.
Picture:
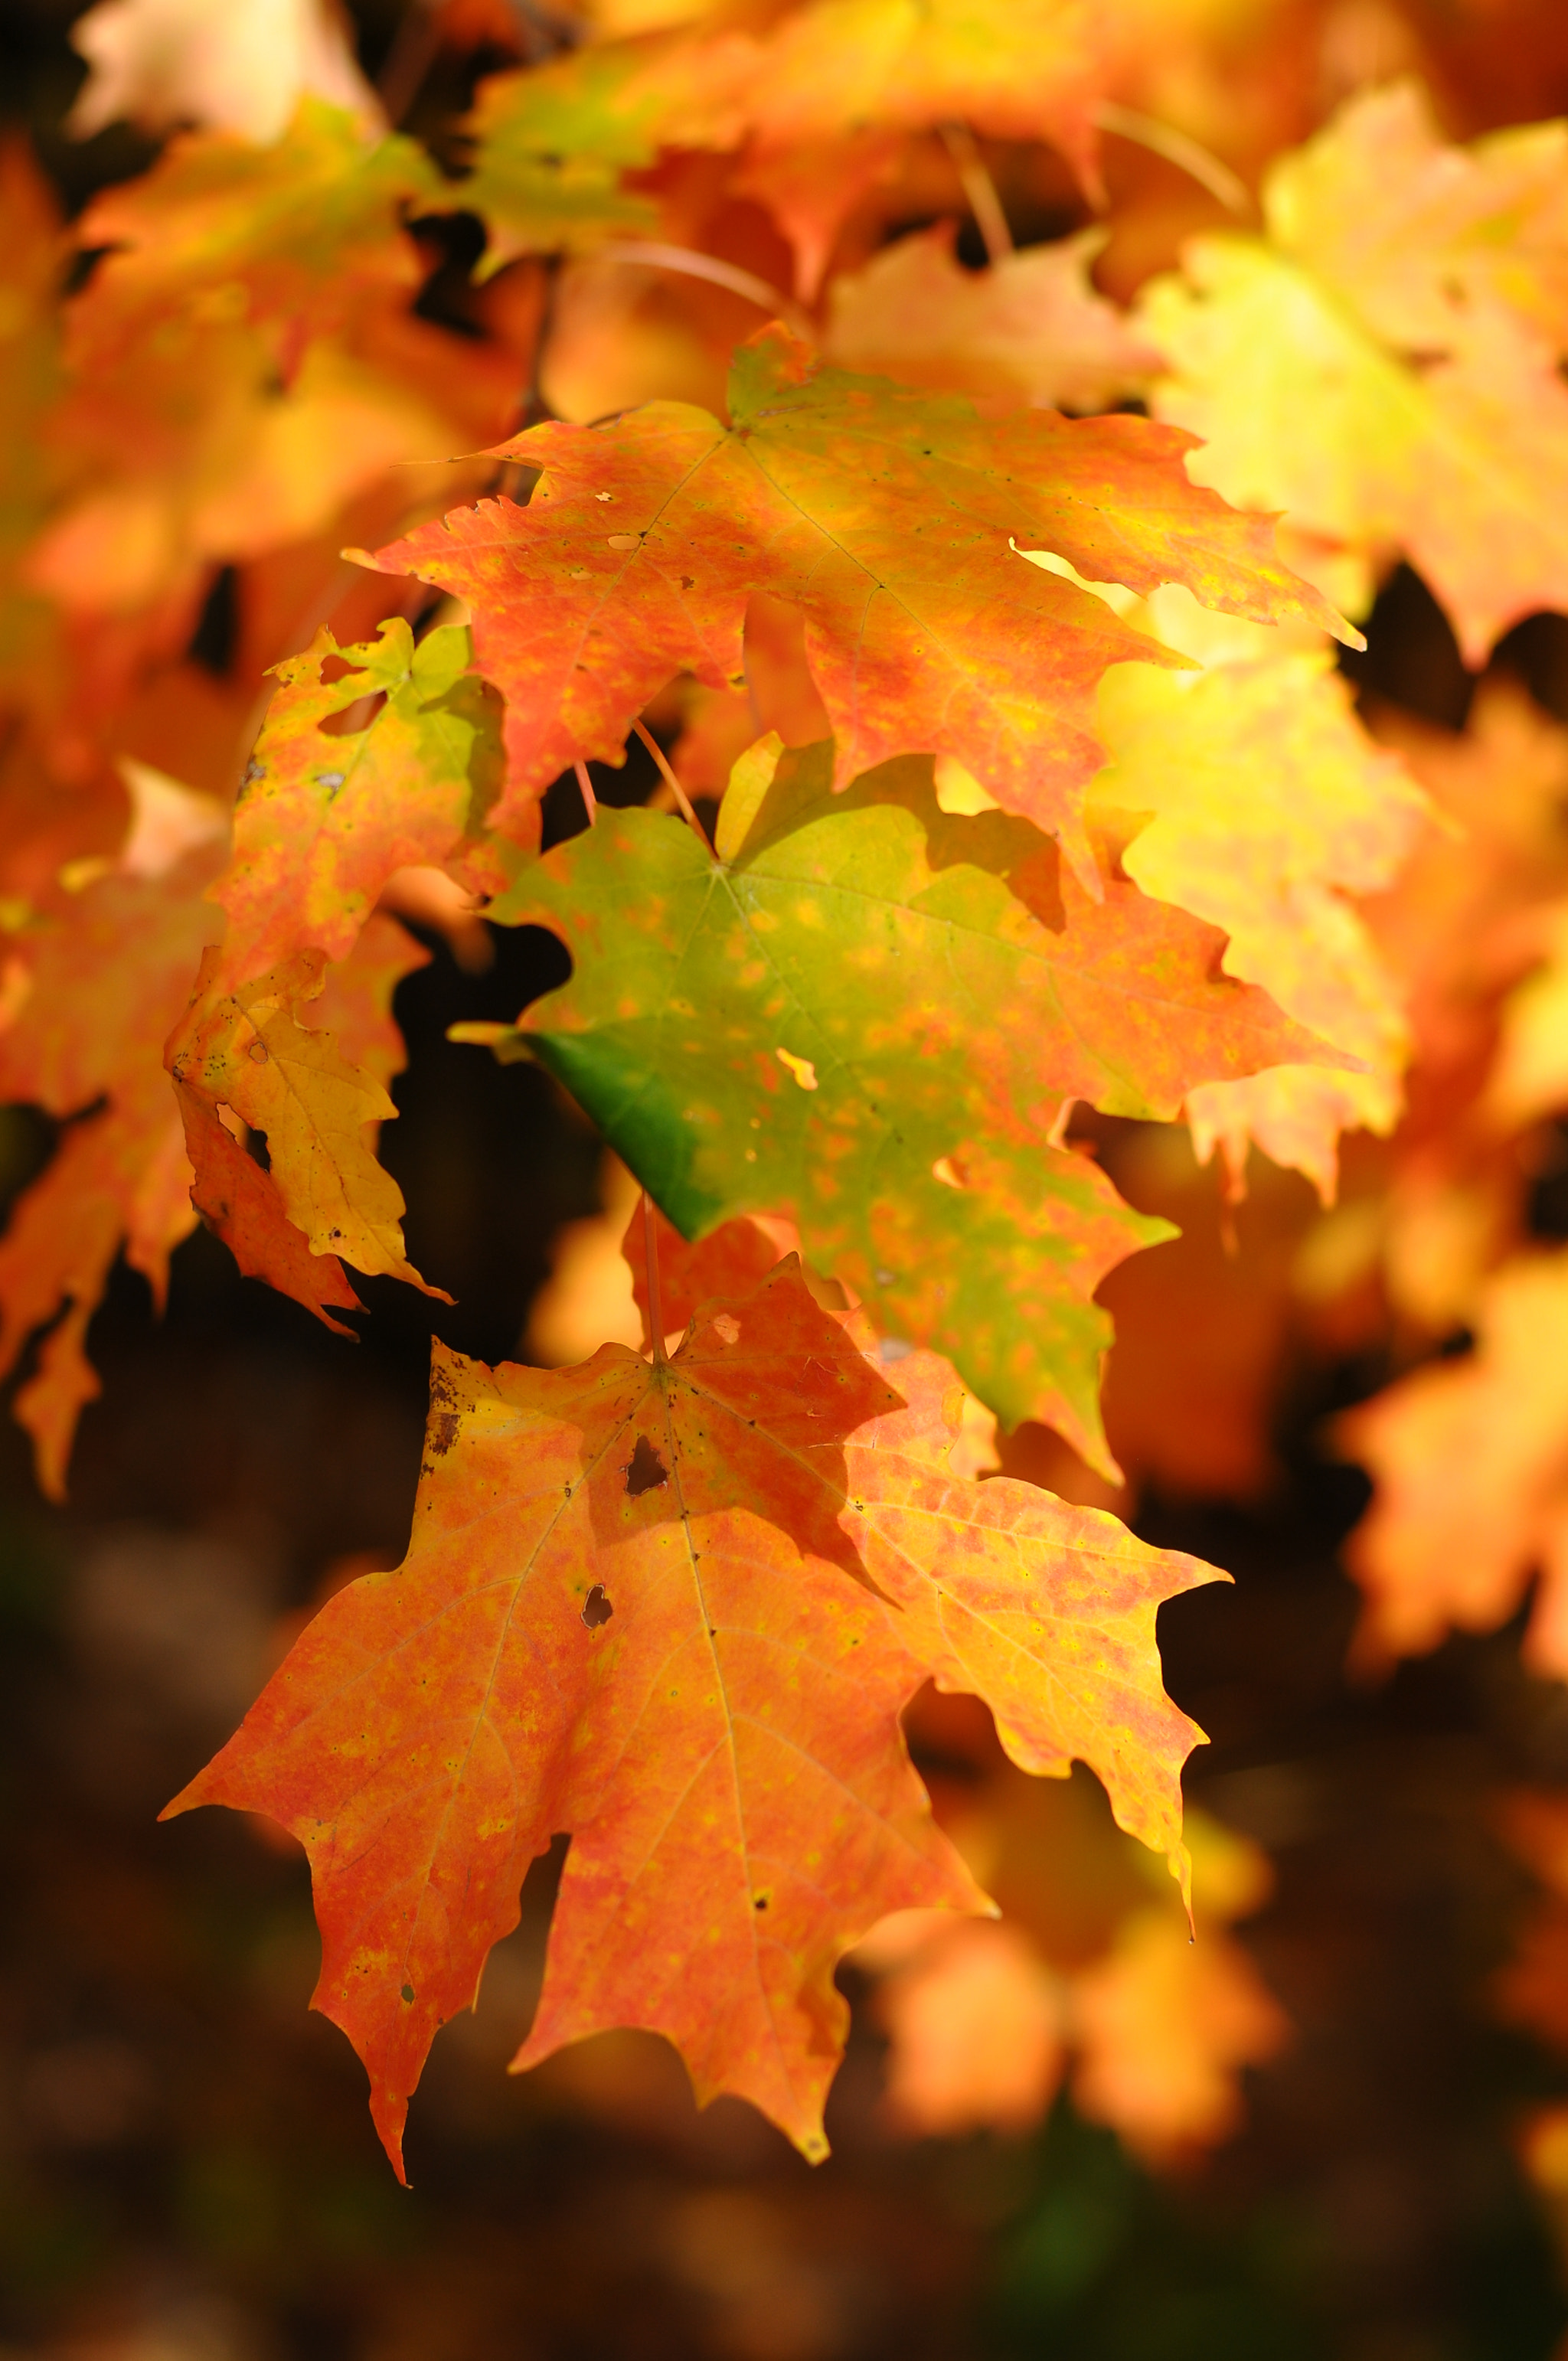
x,y
408,1991
443,1425
758,1902
596,1608
645,1471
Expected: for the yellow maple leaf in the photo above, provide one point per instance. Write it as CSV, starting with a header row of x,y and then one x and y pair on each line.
x,y
1383,366
1253,796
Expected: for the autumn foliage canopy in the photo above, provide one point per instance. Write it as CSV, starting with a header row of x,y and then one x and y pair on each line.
x,y
733,386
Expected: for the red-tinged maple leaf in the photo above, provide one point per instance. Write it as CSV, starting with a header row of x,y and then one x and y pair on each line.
x,y
892,520
97,978
119,1179
651,1604
240,1204
323,821
731,1261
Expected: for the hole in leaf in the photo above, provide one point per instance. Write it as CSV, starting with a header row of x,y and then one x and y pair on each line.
x,y
408,1991
645,1471
354,718
596,1608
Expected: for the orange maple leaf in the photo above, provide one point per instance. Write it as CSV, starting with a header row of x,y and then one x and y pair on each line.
x,y
97,978
1469,1458
677,1608
893,520
324,820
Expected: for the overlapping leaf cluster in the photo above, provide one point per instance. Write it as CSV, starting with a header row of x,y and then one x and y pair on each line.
x,y
1030,795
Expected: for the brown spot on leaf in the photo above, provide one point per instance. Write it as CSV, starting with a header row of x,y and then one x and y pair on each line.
x,y
596,1608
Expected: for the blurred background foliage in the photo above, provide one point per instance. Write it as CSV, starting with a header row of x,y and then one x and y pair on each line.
x,y
187,2169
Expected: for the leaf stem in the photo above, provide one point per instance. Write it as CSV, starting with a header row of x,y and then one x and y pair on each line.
x,y
693,264
682,799
979,191
1188,154
586,787
651,1250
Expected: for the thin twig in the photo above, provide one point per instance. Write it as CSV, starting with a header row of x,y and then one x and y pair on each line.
x,y
1188,154
682,799
590,801
693,264
979,190
410,58
651,1250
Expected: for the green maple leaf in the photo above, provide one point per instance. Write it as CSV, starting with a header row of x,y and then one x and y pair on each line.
x,y
872,1012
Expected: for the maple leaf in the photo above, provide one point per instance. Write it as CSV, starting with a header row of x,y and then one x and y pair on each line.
x,y
245,1046
298,235
1163,2025
244,360
240,1205
892,520
677,1609
1468,1458
231,65
981,2016
1384,370
247,1207
32,256
98,977
842,82
118,1178
1021,71
901,1002
731,1260
355,1004
822,101
552,143
323,821
1032,324
1269,808
975,2024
